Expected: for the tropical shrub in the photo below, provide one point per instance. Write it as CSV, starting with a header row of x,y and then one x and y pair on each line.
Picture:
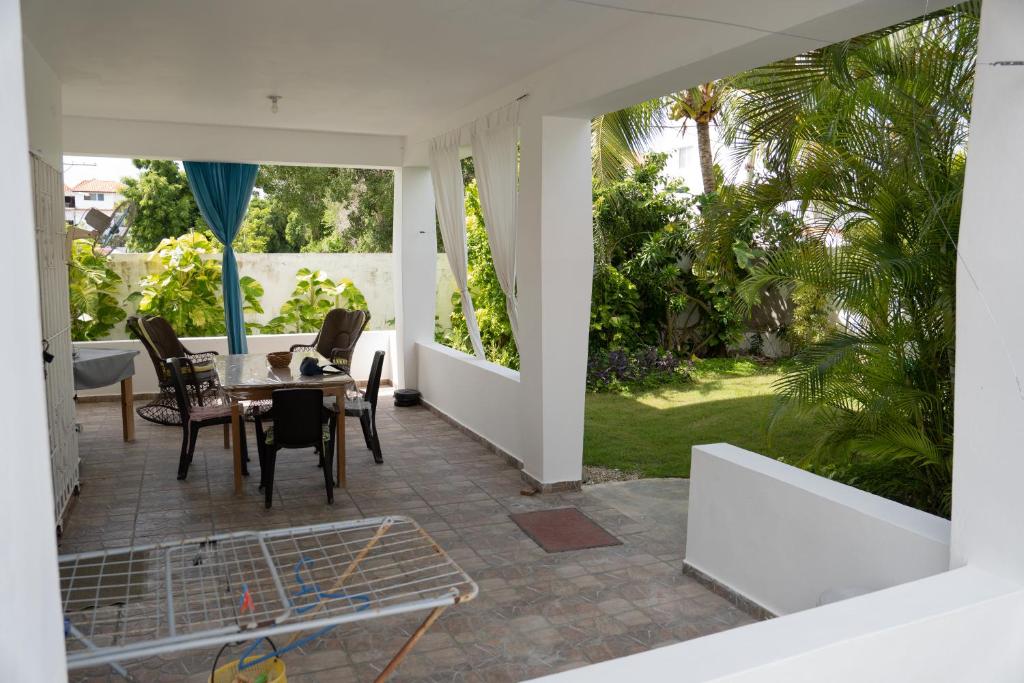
x,y
620,370
870,136
314,295
186,289
95,309
614,310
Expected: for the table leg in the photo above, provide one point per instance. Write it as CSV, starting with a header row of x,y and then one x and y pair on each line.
x,y
127,410
236,445
341,480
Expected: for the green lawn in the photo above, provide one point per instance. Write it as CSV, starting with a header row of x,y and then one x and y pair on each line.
x,y
652,432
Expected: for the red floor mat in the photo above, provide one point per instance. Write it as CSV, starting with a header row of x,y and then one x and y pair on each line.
x,y
563,529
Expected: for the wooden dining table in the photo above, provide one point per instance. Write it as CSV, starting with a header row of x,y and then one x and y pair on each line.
x,y
249,377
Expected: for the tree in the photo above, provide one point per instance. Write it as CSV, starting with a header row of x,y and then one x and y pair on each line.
x,y
164,204
702,104
304,195
868,137
620,139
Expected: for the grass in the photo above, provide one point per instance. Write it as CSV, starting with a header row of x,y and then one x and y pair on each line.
x,y
651,432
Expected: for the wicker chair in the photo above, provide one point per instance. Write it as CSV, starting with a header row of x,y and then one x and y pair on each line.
x,y
161,342
337,337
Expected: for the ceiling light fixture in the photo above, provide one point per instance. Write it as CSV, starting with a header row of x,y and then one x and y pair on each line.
x,y
273,102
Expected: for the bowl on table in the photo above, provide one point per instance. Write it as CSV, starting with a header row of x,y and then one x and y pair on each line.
x,y
279,359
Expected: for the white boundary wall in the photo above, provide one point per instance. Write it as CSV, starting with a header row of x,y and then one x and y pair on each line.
x,y
782,537
371,273
145,381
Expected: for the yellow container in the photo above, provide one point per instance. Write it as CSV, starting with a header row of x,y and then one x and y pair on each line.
x,y
273,668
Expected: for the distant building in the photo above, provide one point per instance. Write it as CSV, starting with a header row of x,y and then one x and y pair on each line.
x,y
102,195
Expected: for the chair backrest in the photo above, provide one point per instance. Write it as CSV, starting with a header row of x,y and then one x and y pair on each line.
x,y
340,332
373,383
159,338
298,417
176,373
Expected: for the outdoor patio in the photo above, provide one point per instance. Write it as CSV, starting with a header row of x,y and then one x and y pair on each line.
x,y
537,613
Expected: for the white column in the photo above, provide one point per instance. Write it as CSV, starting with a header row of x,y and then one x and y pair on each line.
x,y
414,247
555,261
32,647
988,471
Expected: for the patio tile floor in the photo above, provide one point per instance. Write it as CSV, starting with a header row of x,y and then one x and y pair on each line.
x,y
537,613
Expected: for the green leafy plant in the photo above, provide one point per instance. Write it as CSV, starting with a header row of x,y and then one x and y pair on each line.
x,y
488,298
314,295
186,288
870,135
93,285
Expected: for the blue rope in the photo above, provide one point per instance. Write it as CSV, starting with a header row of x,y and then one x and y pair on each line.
x,y
304,589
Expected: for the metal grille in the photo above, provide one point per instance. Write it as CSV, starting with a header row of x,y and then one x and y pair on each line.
x,y
145,600
52,256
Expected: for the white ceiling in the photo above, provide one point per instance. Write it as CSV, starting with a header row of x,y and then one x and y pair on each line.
x,y
368,66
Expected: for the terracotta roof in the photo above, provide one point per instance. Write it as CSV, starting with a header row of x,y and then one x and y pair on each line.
x,y
67,190
94,185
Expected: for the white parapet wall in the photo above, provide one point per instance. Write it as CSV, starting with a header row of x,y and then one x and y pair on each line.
x,y
789,540
479,395
145,381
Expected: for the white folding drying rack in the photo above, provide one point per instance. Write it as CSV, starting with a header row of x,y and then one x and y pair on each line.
x,y
156,599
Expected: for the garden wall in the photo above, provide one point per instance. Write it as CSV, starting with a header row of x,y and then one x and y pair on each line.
x,y
371,273
822,540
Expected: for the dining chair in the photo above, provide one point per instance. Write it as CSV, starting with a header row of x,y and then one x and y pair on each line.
x,y
364,406
300,420
195,415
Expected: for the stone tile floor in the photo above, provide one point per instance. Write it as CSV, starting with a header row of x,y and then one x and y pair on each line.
x,y
537,613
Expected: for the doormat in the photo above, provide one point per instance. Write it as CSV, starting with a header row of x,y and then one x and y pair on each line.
x,y
563,529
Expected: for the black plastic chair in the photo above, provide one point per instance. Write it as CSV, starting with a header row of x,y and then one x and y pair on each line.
x,y
196,416
364,407
300,421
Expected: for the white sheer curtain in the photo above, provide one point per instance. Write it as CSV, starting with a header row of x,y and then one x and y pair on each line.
x,y
450,199
495,157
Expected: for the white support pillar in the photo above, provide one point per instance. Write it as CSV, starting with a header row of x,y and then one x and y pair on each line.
x,y
415,269
988,503
555,264
32,646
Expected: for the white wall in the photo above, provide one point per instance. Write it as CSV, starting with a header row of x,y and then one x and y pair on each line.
x,y
476,393
371,273
957,627
782,536
145,381
988,508
32,642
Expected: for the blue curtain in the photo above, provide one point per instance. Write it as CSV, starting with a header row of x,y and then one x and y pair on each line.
x,y
222,192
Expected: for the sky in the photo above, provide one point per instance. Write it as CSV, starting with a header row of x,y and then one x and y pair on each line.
x,y
77,169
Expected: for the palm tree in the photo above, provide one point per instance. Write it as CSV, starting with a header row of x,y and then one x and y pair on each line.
x,y
702,104
868,138
620,138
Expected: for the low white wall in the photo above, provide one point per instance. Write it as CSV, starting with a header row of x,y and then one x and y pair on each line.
x,y
145,381
478,394
782,536
371,273
963,625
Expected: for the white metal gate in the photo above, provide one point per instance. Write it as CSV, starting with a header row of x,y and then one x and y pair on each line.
x,y
52,254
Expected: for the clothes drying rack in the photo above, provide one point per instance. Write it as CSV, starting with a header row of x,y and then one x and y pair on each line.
x,y
147,600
